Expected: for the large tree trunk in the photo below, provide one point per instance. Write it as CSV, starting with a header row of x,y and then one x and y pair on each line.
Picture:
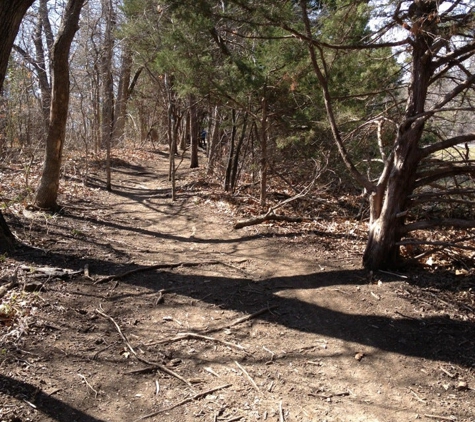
x,y
11,15
388,212
389,203
47,194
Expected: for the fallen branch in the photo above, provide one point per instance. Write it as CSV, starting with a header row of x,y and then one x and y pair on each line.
x,y
267,217
152,364
188,400
271,216
156,267
187,336
442,418
243,319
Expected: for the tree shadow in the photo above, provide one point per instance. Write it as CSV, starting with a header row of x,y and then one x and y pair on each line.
x,y
432,337
46,404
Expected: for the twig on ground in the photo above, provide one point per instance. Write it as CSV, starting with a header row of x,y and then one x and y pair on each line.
x,y
281,412
271,353
96,355
394,274
449,374
89,385
239,320
30,404
153,364
188,400
210,370
247,376
417,396
160,298
442,418
156,267
247,317
186,336
330,395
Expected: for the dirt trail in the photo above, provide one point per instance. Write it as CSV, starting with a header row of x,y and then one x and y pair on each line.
x,y
330,343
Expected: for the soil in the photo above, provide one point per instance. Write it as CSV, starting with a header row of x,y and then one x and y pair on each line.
x,y
273,322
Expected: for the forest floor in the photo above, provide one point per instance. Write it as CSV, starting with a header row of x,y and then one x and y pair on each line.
x,y
273,322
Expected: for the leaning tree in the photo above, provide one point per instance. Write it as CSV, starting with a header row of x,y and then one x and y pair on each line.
x,y
412,123
47,193
438,44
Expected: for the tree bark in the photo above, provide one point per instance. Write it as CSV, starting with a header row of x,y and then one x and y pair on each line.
x,y
388,210
47,194
263,166
212,141
193,133
11,15
122,95
237,153
43,24
107,89
229,165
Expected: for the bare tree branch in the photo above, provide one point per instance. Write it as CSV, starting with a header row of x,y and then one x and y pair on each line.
x,y
443,222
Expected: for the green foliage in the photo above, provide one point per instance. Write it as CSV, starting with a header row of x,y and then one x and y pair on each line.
x,y
236,52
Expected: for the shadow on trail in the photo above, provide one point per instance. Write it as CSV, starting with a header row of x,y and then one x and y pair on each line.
x,y
46,404
434,338
196,239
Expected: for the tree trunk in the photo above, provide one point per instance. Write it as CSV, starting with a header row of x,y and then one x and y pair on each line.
x,y
237,153
387,220
107,89
194,134
6,236
11,15
212,141
229,164
45,88
47,194
122,96
263,166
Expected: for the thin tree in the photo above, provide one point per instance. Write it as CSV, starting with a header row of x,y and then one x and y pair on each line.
x,y
47,193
